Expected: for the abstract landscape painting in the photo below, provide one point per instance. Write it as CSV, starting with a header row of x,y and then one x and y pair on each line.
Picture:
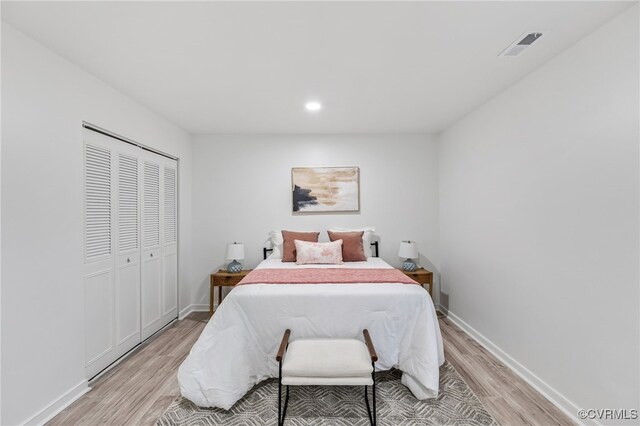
x,y
325,189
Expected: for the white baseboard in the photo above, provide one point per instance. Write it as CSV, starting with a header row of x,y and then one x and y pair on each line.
x,y
555,397
193,308
53,409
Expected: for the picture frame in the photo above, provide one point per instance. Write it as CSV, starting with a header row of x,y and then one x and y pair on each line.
x,y
325,190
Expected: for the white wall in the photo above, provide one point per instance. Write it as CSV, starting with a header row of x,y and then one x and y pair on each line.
x,y
539,220
44,101
242,190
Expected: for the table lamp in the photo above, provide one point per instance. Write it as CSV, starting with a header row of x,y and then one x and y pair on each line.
x,y
235,252
408,250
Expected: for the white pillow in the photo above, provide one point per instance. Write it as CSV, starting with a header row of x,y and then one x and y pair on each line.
x,y
276,239
366,237
308,252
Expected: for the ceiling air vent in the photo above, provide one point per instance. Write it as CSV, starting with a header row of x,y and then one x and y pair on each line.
x,y
524,41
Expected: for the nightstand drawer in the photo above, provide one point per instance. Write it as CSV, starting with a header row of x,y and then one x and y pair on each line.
x,y
421,278
226,280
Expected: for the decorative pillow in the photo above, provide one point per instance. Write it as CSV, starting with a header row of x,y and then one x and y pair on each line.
x,y
276,240
352,246
289,247
328,253
366,237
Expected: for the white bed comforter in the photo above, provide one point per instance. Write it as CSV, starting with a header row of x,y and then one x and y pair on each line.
x,y
237,348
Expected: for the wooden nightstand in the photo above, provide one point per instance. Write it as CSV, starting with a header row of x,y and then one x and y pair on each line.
x,y
422,276
223,279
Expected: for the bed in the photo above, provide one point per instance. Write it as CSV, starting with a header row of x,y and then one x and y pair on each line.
x,y
237,348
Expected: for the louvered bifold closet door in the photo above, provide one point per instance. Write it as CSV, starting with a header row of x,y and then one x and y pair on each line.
x,y
130,247
152,310
170,240
99,271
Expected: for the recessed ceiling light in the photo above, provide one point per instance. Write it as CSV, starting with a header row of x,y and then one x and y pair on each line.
x,y
313,106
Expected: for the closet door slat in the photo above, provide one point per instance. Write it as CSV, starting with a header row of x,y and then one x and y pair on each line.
x,y
127,203
170,206
97,202
151,211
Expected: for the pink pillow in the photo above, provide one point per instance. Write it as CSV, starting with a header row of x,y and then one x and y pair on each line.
x,y
289,248
309,252
352,246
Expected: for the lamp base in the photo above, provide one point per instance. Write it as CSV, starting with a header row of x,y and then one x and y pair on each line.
x,y
234,267
409,265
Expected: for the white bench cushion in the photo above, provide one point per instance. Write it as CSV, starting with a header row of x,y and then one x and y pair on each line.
x,y
328,381
327,361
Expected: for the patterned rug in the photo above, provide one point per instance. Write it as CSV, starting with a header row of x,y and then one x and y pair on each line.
x,y
342,405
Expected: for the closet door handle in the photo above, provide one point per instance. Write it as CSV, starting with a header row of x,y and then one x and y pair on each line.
x,y
151,254
128,260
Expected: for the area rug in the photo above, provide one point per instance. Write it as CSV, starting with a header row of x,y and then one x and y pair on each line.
x,y
342,405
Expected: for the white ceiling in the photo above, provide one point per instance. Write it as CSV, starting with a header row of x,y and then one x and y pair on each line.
x,y
240,67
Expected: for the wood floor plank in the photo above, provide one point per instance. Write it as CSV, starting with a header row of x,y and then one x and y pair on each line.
x,y
154,412
82,407
139,389
504,412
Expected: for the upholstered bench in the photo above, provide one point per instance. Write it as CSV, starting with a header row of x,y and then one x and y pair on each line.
x,y
326,362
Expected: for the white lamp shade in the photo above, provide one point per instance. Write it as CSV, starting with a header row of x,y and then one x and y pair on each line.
x,y
408,250
235,251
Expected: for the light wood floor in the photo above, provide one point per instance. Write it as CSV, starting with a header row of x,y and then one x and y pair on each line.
x,y
141,388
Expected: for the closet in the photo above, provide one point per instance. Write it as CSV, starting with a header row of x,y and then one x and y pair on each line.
x,y
130,246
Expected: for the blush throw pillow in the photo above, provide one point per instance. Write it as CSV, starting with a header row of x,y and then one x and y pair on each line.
x,y
289,246
352,245
367,237
326,253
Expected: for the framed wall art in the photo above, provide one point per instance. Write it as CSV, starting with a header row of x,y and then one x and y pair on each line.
x,y
325,189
